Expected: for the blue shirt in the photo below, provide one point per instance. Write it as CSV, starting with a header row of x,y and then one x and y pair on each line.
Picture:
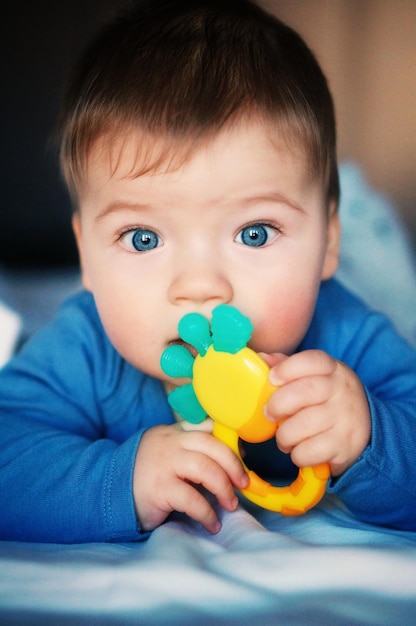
x,y
73,411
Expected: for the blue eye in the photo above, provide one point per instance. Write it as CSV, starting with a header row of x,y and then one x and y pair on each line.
x,y
256,235
141,239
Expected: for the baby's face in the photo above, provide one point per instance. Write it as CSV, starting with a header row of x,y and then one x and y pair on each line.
x,y
241,222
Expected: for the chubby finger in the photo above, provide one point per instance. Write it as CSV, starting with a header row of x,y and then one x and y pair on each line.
x,y
313,451
212,449
273,359
200,469
190,501
301,365
306,424
292,397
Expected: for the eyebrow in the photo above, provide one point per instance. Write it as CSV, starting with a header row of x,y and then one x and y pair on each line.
x,y
275,197
115,207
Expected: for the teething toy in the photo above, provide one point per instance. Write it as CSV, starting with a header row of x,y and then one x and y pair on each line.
x,y
230,385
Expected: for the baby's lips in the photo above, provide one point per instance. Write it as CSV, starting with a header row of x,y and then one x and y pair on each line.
x,y
180,342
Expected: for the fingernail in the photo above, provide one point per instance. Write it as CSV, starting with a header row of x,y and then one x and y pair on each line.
x,y
234,503
274,379
267,415
216,528
245,481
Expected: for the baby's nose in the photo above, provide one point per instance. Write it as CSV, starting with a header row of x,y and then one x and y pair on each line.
x,y
200,283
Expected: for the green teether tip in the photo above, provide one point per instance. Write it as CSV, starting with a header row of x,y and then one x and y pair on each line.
x,y
177,361
185,403
194,329
231,329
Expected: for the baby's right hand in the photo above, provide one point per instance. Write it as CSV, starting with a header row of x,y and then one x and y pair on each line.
x,y
171,463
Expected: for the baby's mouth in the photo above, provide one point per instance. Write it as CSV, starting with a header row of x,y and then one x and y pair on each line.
x,y
188,346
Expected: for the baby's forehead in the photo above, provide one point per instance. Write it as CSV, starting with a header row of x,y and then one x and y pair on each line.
x,y
235,168
135,152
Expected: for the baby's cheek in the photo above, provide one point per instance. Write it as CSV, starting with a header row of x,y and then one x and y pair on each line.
x,y
281,326
140,348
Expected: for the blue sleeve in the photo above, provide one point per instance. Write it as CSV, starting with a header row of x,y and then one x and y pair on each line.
x,y
381,486
72,413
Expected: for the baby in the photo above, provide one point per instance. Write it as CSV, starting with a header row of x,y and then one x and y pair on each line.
x,y
198,143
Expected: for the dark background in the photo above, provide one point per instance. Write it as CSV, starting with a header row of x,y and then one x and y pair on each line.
x,y
40,41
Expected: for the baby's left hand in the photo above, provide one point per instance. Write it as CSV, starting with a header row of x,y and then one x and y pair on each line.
x,y
328,418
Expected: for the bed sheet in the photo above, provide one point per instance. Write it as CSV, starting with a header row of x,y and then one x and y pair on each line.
x,y
261,568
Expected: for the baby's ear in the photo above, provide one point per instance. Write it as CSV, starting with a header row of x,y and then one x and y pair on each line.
x,y
331,259
76,227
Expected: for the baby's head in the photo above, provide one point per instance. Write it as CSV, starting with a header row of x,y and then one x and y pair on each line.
x,y
175,73
199,147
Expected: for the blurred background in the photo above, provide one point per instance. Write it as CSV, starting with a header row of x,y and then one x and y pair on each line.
x,y
367,49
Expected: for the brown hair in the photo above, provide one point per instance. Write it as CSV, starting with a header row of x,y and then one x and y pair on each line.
x,y
184,69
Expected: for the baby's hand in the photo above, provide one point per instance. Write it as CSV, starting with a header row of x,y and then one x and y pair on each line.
x,y
171,463
326,406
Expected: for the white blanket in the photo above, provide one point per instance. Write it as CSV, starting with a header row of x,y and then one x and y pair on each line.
x,y
321,568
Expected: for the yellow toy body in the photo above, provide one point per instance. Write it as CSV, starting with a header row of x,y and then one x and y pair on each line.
x,y
230,384
234,388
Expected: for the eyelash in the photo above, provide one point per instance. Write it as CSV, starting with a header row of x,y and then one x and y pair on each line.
x,y
132,232
260,239
259,236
